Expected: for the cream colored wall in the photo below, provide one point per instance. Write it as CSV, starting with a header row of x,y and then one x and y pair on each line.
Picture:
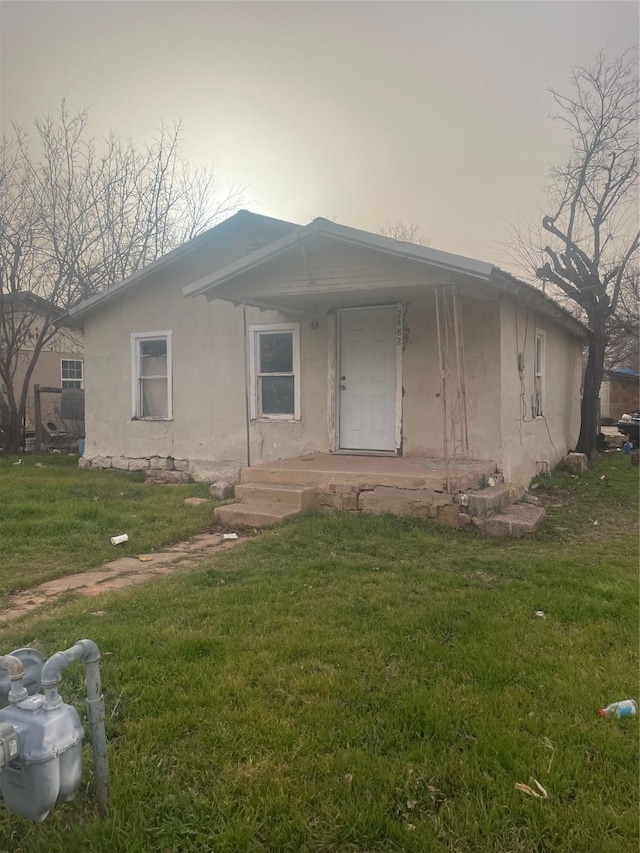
x,y
422,407
209,408
527,444
209,415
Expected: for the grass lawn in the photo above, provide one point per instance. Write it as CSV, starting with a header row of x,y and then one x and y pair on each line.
x,y
348,683
56,520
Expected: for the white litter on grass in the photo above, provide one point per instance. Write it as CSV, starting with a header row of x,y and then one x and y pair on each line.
x,y
118,540
491,481
541,614
19,462
229,535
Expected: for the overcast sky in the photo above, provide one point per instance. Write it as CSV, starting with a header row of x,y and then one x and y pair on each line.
x,y
434,113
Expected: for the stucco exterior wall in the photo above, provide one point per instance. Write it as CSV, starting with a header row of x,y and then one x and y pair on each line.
x,y
530,445
208,429
422,406
208,426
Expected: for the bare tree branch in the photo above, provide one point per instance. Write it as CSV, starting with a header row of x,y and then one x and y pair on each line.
x,y
593,223
78,215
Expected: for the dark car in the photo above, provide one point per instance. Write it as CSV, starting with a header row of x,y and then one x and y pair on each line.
x,y
629,425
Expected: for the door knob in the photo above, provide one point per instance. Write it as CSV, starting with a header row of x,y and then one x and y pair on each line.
x,y
343,387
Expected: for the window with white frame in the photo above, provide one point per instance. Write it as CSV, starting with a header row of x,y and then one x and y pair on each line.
x,y
71,373
538,376
151,375
275,371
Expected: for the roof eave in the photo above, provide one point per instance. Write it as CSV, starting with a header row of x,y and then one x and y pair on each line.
x,y
324,228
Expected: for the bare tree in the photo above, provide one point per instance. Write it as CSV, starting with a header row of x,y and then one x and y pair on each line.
x,y
78,215
405,233
623,348
589,242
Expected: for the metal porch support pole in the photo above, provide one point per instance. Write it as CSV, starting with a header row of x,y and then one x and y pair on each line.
x,y
443,392
247,380
457,318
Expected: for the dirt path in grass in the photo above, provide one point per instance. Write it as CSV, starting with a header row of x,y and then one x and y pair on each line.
x,y
125,571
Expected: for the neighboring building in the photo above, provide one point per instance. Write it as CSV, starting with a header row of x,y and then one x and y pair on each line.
x,y
262,340
619,393
60,363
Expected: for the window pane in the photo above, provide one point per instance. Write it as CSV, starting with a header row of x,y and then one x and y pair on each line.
x,y
153,348
276,352
153,393
153,366
277,395
71,369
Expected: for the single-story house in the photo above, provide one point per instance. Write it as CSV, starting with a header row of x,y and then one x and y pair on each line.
x,y
263,341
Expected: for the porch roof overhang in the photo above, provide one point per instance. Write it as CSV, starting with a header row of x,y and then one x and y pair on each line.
x,y
318,291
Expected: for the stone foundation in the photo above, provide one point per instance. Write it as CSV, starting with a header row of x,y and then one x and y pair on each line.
x,y
416,503
124,463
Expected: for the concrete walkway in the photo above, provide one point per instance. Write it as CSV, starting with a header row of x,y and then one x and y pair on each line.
x,y
126,571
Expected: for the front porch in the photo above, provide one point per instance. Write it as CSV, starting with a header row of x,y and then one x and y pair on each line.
x,y
422,487
325,470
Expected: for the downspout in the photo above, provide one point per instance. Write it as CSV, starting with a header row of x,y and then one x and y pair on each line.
x,y
247,380
88,653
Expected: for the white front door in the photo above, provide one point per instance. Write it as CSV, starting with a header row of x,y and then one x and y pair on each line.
x,y
367,379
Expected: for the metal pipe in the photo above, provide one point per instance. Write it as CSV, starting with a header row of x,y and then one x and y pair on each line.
x,y
88,653
247,380
15,668
443,394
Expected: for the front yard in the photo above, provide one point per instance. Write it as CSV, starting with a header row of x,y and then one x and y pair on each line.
x,y
359,684
56,520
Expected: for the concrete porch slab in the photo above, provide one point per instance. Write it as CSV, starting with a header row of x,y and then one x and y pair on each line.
x,y
324,470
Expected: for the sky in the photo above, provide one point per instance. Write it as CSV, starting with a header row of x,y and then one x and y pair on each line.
x,y
432,113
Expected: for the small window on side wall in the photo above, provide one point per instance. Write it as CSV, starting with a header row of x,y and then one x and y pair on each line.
x,y
538,377
151,376
71,373
275,371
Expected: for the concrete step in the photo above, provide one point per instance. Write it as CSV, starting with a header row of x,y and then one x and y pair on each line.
x,y
298,498
324,471
514,521
492,499
253,515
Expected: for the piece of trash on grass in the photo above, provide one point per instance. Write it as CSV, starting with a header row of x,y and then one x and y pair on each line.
x,y
596,522
604,477
118,540
229,535
563,529
145,558
38,465
541,614
98,612
540,794
626,708
491,481
549,745
19,462
534,485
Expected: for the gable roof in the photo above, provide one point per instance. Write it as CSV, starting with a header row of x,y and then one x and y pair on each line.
x,y
294,235
326,228
242,218
496,278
